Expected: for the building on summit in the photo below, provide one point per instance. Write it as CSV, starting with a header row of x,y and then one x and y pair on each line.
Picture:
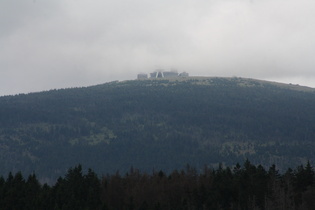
x,y
184,74
160,73
168,74
157,74
142,76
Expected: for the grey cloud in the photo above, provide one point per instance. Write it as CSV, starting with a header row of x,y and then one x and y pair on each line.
x,y
17,13
54,44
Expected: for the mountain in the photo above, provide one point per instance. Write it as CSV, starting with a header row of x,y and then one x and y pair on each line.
x,y
157,124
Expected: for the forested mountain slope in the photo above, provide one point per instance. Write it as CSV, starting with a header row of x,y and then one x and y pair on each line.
x,y
157,124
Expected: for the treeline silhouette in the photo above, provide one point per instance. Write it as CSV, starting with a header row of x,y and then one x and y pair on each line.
x,y
240,187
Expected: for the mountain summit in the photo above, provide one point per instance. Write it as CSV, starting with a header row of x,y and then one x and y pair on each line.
x,y
157,124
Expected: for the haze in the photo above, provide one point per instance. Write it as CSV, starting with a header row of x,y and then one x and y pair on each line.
x,y
58,44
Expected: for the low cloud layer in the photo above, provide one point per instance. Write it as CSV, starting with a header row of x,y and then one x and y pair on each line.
x,y
57,44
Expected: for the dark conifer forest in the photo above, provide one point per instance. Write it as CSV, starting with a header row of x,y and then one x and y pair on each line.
x,y
237,188
157,124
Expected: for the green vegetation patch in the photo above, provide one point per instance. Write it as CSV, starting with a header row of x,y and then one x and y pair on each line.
x,y
104,136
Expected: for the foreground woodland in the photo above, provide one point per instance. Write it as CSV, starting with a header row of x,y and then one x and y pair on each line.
x,y
241,187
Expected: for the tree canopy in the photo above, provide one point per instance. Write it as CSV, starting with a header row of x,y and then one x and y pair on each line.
x,y
157,124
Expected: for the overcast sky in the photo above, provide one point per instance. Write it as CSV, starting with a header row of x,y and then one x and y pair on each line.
x,y
51,44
